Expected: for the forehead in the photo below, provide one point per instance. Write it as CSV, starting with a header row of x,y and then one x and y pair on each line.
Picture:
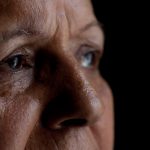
x,y
44,14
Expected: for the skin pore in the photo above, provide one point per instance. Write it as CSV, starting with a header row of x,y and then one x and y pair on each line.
x,y
52,96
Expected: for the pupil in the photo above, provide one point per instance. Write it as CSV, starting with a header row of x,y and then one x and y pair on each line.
x,y
15,62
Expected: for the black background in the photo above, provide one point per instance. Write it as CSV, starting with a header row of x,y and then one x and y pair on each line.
x,y
121,66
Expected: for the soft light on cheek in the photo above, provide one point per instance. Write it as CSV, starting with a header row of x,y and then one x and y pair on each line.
x,y
2,106
18,119
20,85
7,47
16,83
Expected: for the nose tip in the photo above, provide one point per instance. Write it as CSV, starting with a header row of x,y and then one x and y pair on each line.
x,y
75,102
72,109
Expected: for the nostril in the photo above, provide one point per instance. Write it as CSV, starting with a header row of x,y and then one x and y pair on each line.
x,y
74,122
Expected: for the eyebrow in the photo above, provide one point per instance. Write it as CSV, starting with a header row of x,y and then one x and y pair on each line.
x,y
94,23
5,36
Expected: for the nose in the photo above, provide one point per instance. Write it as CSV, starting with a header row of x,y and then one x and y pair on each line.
x,y
75,102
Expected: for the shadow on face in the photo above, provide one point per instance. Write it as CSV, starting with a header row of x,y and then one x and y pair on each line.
x,y
52,95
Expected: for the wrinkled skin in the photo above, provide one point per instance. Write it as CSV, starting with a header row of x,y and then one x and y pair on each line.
x,y
50,100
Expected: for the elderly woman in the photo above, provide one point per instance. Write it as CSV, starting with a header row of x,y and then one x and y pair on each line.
x,y
52,96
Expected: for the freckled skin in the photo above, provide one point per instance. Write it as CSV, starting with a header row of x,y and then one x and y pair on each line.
x,y
57,104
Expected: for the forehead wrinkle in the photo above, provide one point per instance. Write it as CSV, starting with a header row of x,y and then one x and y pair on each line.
x,y
5,36
29,18
27,11
78,14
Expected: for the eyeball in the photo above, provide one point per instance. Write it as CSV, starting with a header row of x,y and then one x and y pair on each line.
x,y
15,62
88,59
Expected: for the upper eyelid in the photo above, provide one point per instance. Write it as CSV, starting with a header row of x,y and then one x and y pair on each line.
x,y
10,56
8,47
18,51
89,47
95,43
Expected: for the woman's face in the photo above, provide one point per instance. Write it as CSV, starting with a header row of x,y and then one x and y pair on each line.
x,y
52,96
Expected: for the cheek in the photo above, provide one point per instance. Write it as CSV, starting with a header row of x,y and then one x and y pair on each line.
x,y
104,129
17,120
102,88
12,84
105,95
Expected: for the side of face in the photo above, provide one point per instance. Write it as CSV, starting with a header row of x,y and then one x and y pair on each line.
x,y
52,96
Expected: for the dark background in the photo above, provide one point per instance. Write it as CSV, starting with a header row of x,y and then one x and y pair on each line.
x,y
121,66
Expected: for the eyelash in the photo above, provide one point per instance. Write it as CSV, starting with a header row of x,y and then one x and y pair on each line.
x,y
21,61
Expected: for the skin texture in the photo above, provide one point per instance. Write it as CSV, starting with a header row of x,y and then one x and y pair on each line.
x,y
52,101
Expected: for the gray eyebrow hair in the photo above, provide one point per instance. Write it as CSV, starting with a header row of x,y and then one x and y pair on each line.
x,y
5,36
94,23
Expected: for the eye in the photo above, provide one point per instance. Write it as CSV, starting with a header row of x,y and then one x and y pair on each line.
x,y
88,59
15,62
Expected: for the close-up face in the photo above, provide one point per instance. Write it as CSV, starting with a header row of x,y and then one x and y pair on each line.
x,y
52,95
